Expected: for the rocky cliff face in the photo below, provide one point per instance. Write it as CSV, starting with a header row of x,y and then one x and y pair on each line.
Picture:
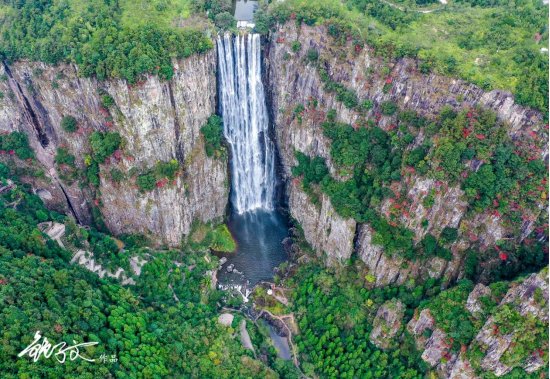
x,y
328,233
157,120
161,120
293,81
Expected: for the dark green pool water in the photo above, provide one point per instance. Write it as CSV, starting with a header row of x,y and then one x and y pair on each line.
x,y
259,235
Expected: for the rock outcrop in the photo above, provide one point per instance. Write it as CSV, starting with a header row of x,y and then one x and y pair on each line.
x,y
157,120
530,300
511,336
387,323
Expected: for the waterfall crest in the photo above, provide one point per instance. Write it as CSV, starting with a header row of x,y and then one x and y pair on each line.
x,y
245,122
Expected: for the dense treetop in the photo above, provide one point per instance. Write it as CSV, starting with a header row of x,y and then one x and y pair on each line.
x,y
164,326
105,38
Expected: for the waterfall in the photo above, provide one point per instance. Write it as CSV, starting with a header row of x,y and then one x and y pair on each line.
x,y
245,122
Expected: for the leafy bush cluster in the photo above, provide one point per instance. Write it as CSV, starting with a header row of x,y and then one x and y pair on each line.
x,y
509,175
16,143
530,334
103,145
450,314
69,124
67,169
213,137
219,11
347,96
158,176
63,157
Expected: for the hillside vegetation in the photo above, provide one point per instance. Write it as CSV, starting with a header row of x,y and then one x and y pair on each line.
x,y
494,44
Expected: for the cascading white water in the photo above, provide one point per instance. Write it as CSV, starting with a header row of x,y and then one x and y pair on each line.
x,y
245,120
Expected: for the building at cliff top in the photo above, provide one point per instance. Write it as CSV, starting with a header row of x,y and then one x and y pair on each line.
x,y
244,13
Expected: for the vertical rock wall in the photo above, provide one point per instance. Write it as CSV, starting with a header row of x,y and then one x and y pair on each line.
x,y
157,120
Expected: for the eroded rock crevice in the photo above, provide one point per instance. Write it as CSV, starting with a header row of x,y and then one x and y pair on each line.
x,y
29,112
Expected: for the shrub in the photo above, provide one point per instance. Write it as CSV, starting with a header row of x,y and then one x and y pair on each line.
x,y
117,176
225,20
416,155
451,316
347,96
146,182
296,46
449,234
156,177
213,136
4,171
107,101
312,55
314,170
92,174
429,243
263,21
18,143
388,108
64,157
69,124
366,105
299,109
166,169
104,144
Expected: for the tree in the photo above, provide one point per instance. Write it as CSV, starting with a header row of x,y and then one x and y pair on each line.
x,y
146,182
388,108
212,132
225,20
69,124
104,144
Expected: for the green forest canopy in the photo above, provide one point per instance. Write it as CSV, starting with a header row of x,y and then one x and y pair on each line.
x,y
148,331
106,38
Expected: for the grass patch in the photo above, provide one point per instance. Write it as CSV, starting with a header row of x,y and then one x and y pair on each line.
x,y
206,236
222,240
